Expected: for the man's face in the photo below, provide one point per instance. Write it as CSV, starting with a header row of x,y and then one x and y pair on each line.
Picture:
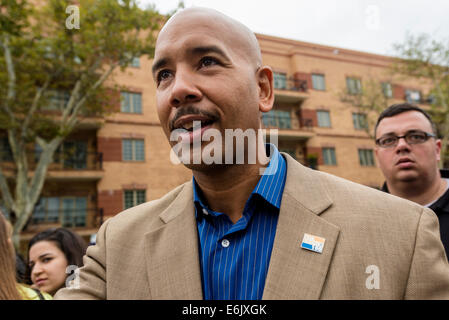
x,y
404,162
203,74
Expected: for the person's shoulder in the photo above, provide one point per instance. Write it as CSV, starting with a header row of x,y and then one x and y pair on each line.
x,y
359,198
29,293
148,211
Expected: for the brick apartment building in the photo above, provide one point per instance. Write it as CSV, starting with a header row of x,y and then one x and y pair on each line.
x,y
123,160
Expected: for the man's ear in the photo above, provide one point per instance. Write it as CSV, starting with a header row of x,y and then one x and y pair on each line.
x,y
438,149
266,88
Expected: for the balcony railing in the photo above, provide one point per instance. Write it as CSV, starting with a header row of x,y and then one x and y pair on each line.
x,y
62,160
68,218
275,121
285,122
291,84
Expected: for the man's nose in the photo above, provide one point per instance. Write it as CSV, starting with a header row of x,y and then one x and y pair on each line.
x,y
184,89
402,145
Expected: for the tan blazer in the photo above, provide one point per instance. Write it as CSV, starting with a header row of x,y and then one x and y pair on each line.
x,y
151,251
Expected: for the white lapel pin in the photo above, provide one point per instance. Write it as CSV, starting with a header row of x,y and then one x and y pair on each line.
x,y
313,243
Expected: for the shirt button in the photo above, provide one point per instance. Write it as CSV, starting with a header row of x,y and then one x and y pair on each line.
x,y
205,212
225,243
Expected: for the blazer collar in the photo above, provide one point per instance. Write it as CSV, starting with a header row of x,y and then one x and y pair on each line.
x,y
172,257
296,273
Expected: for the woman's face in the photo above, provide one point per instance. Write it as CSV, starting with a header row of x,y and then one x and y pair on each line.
x,y
48,266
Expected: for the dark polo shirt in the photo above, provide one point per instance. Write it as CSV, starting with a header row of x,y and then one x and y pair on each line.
x,y
441,208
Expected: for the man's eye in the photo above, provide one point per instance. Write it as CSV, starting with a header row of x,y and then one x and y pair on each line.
x,y
163,75
387,140
208,61
417,137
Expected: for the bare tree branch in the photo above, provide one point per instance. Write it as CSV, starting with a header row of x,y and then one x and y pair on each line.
x,y
11,78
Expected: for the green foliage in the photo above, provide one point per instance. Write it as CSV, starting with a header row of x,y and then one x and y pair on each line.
x,y
46,54
371,101
423,57
53,75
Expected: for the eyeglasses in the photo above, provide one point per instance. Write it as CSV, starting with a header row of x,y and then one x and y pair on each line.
x,y
411,137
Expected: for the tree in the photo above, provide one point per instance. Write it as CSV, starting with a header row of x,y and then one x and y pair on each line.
x,y
369,100
425,58
60,46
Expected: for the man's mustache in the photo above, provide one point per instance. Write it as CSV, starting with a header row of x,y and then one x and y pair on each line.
x,y
189,110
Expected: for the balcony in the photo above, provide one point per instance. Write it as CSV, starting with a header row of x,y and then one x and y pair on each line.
x,y
67,165
289,128
83,221
290,90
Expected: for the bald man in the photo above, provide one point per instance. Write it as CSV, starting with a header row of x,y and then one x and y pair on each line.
x,y
264,227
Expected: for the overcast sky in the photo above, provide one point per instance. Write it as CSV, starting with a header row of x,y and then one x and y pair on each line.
x,y
364,25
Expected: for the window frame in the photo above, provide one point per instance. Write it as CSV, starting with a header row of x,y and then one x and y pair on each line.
x,y
363,152
319,123
329,151
358,86
134,151
135,197
129,103
357,123
276,79
319,75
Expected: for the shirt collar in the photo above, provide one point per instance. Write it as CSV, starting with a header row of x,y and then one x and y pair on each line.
x,y
270,186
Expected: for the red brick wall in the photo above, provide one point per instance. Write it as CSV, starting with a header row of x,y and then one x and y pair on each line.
x,y
317,151
113,99
398,92
308,114
111,201
111,148
304,76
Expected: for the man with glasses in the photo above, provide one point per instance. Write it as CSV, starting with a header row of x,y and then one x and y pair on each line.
x,y
408,152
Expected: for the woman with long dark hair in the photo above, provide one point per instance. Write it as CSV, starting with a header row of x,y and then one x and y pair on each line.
x,y
50,253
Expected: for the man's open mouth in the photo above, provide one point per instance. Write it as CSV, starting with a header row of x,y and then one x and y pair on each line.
x,y
195,125
193,122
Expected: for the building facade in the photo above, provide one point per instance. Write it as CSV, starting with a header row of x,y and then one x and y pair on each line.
x,y
110,164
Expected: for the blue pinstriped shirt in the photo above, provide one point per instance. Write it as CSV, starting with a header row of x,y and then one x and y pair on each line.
x,y
234,258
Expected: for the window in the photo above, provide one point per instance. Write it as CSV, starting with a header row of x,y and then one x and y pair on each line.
x,y
134,197
131,102
5,150
366,157
71,154
280,80
57,100
359,120
133,150
70,211
329,157
387,90
354,85
318,82
74,212
277,118
324,119
413,96
135,62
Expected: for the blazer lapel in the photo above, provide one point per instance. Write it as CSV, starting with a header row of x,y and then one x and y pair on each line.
x,y
294,272
172,257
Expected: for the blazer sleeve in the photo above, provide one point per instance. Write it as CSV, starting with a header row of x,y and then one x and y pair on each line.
x,y
91,284
429,270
